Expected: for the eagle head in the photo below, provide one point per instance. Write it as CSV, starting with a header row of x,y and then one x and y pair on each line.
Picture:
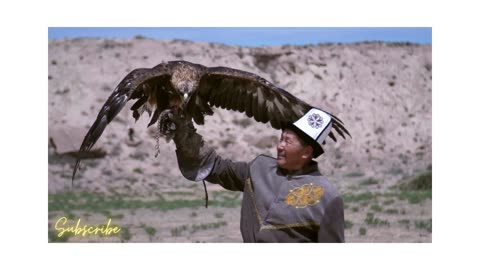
x,y
185,90
185,79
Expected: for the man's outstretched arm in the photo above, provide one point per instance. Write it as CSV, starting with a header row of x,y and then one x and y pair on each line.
x,y
197,161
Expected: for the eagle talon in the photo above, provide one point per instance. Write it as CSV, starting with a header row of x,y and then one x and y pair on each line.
x,y
165,124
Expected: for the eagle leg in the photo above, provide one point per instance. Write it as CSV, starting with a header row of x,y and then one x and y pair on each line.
x,y
157,138
165,127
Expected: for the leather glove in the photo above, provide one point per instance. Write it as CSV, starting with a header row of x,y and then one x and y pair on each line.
x,y
195,158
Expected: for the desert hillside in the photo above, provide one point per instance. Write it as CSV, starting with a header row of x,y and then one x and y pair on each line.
x,y
381,91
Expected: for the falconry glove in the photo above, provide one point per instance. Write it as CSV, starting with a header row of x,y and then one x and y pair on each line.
x,y
195,158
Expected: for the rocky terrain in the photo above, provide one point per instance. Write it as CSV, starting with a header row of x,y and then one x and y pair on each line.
x,y
381,91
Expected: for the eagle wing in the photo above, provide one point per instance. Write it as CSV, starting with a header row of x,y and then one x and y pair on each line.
x,y
246,92
148,86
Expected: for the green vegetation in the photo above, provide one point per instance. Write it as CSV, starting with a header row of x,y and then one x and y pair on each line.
x,y
177,231
376,208
372,220
179,193
354,174
415,197
206,226
125,234
348,224
54,238
368,182
118,216
391,211
388,202
405,222
422,181
424,224
69,215
150,230
68,201
138,170
365,198
362,231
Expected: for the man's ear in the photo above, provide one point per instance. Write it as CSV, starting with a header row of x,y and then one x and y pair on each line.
x,y
308,152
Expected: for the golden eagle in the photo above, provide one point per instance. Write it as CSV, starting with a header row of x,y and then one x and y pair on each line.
x,y
193,89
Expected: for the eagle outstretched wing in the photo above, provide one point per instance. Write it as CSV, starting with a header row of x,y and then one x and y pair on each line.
x,y
246,92
139,84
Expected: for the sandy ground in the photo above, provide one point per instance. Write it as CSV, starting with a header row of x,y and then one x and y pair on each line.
x,y
382,92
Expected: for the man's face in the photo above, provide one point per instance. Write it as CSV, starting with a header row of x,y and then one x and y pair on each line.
x,y
291,154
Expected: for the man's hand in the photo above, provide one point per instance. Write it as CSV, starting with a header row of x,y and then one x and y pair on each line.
x,y
169,120
173,125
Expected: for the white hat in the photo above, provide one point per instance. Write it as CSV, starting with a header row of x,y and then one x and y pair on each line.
x,y
315,126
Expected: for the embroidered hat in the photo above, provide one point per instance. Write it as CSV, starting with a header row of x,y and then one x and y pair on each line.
x,y
313,128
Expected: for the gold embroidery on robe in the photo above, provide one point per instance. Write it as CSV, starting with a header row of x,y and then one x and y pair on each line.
x,y
305,195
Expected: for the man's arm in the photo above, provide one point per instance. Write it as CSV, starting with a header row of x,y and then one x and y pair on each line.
x,y
197,161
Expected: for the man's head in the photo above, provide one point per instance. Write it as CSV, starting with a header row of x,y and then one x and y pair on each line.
x,y
300,141
292,152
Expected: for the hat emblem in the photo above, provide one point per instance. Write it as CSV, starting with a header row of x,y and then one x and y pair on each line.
x,y
315,120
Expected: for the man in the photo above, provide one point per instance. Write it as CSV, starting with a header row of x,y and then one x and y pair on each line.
x,y
285,199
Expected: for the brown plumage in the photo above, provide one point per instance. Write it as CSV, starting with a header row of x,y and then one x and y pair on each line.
x,y
193,89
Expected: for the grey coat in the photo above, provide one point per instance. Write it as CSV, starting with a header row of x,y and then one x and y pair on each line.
x,y
276,206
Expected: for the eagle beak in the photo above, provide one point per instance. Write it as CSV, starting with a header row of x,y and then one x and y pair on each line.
x,y
185,96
